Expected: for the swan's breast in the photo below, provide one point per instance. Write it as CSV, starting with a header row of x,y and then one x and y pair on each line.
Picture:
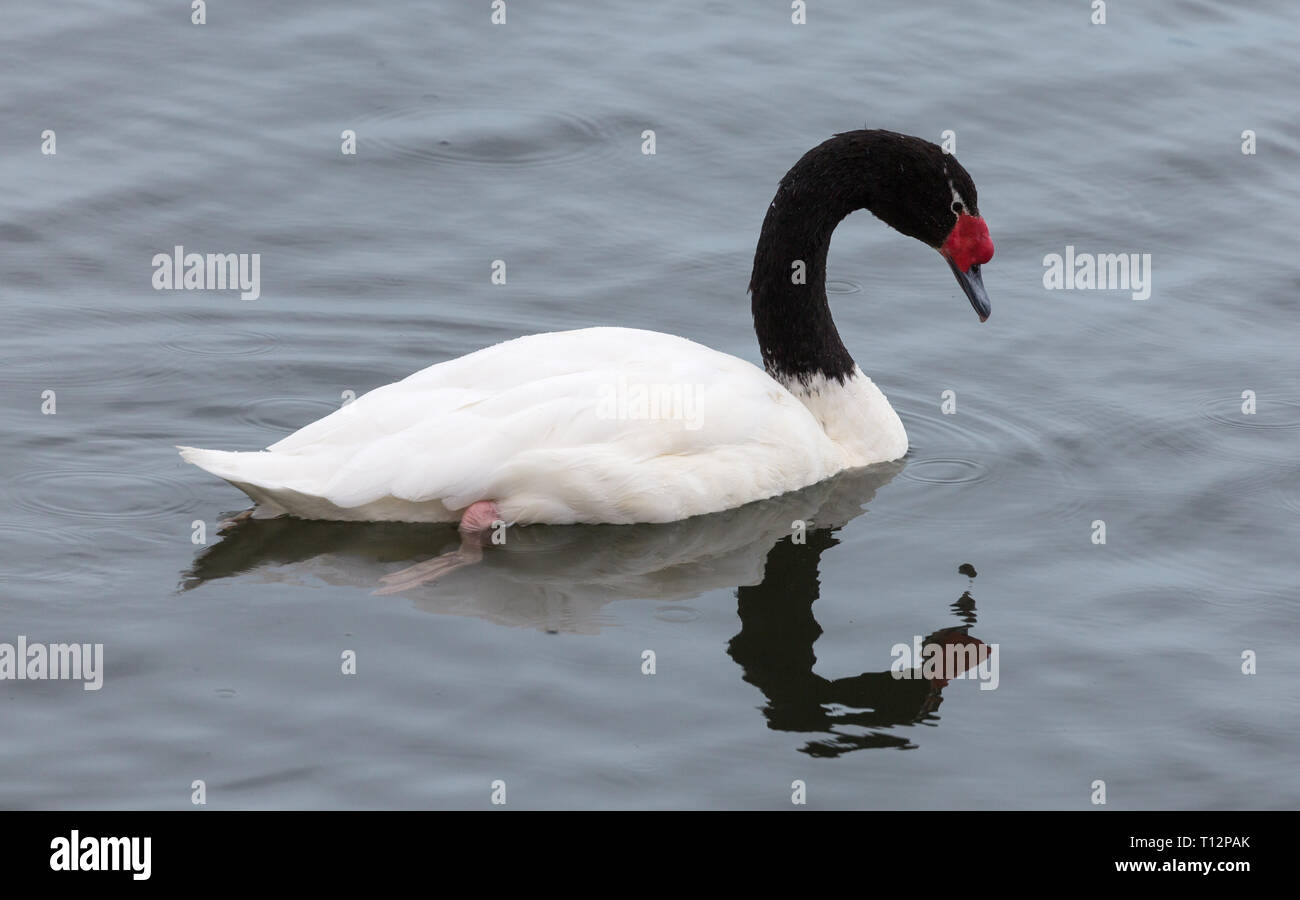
x,y
855,415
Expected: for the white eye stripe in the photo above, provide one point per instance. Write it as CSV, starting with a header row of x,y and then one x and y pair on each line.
x,y
956,197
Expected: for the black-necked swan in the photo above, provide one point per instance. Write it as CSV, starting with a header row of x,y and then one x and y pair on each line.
x,y
620,425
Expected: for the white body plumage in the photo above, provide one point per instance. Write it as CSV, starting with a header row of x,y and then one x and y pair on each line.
x,y
599,425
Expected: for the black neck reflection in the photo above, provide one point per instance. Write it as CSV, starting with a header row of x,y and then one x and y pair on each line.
x,y
775,649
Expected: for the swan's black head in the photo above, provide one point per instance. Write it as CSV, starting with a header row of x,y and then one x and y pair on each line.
x,y
909,184
923,192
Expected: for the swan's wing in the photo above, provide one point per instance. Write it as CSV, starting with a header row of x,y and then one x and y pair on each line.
x,y
602,424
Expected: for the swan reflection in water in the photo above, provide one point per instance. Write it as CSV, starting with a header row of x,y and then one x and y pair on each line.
x,y
561,578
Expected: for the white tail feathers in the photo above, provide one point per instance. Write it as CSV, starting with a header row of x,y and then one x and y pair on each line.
x,y
259,468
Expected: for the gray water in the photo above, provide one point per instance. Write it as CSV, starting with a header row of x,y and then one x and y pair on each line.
x,y
1119,662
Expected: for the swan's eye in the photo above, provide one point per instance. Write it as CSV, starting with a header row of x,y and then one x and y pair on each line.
x,y
957,207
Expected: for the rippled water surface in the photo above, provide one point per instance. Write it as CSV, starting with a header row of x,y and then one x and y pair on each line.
x,y
1119,662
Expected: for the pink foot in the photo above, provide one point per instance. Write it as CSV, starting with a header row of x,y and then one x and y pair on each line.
x,y
478,517
227,524
475,527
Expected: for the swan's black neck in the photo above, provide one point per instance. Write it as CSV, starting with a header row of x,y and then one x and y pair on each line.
x,y
792,317
884,172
